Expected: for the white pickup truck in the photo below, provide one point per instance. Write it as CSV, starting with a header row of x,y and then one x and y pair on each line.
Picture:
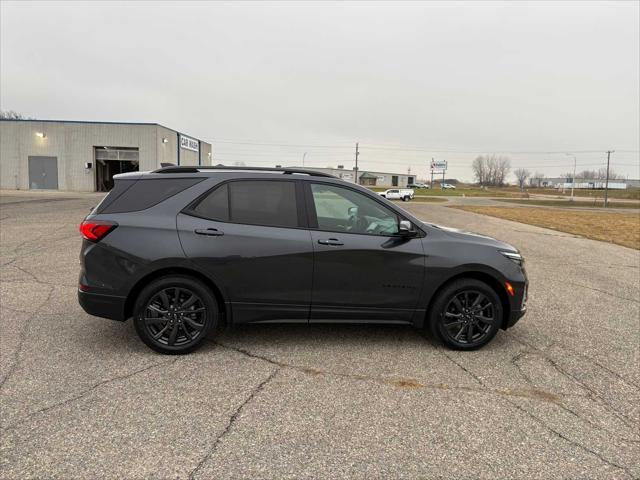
x,y
404,194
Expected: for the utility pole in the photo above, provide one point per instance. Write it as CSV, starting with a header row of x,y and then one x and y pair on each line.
x,y
303,157
431,184
356,169
573,180
606,184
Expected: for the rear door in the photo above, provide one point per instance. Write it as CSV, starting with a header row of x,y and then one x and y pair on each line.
x,y
250,238
43,172
363,270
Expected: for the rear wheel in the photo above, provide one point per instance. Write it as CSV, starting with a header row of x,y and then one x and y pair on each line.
x,y
466,315
174,314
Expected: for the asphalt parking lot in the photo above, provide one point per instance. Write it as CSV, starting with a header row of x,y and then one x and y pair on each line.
x,y
556,396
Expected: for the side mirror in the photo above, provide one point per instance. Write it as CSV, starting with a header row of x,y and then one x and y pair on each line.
x,y
352,211
404,229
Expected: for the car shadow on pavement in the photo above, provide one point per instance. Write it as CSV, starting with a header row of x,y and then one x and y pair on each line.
x,y
319,335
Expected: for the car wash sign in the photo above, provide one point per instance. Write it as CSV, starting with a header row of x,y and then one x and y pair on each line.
x,y
189,143
438,166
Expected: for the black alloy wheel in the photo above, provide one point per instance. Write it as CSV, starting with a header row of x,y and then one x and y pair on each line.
x,y
466,315
174,314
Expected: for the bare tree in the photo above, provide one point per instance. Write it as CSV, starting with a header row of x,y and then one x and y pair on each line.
x,y
536,179
503,166
479,167
12,115
491,169
600,174
521,175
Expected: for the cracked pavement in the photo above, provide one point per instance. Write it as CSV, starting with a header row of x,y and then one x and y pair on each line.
x,y
558,396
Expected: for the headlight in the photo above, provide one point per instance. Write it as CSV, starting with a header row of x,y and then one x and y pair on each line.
x,y
514,257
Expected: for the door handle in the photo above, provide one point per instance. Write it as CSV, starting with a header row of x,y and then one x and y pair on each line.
x,y
209,232
334,242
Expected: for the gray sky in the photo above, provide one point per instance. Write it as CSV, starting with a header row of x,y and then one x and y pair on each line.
x,y
408,81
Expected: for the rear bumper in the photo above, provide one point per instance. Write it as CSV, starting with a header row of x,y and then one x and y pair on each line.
x,y
105,306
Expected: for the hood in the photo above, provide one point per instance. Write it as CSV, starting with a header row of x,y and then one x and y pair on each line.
x,y
472,237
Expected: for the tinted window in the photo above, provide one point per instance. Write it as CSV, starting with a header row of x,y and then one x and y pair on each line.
x,y
263,203
118,189
343,210
144,194
252,202
215,205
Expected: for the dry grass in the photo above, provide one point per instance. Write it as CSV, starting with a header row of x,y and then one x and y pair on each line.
x,y
620,228
569,204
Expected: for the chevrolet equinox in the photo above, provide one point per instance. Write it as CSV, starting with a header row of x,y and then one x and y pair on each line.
x,y
185,251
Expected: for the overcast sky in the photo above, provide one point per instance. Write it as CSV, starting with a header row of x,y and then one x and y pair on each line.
x,y
408,81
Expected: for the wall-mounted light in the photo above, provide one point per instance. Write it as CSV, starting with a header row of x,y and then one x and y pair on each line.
x,y
165,140
41,134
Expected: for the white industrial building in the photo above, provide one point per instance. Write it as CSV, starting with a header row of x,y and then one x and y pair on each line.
x,y
368,178
84,156
586,183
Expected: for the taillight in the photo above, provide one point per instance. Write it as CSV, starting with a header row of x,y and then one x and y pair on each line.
x,y
96,231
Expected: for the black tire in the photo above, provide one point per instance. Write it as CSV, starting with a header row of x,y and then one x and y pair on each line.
x,y
405,198
174,314
453,316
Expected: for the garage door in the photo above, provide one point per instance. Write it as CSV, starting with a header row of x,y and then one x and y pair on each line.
x,y
43,172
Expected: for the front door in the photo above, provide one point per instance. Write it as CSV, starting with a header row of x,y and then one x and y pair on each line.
x,y
363,270
247,236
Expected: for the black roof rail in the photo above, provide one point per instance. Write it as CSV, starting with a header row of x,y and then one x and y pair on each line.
x,y
197,169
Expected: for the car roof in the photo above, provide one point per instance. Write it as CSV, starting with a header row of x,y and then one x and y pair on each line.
x,y
210,171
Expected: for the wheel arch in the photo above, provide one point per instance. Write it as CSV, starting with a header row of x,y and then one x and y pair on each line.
x,y
166,271
482,276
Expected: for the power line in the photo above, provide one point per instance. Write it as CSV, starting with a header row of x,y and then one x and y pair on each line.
x,y
294,145
416,148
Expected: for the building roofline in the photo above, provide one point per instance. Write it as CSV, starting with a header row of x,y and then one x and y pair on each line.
x,y
361,170
95,122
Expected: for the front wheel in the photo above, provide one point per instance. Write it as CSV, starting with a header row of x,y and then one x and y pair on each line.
x,y
405,198
466,314
174,314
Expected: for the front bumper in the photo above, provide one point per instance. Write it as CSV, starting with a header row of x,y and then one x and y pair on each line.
x,y
514,316
518,305
105,306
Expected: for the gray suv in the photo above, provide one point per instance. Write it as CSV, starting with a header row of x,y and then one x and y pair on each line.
x,y
186,251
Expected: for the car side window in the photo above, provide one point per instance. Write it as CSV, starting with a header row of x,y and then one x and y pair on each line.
x,y
215,205
343,210
252,202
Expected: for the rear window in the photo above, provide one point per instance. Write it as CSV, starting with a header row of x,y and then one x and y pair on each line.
x,y
143,194
271,203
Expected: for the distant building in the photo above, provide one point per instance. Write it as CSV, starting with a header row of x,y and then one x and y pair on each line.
x,y
369,178
84,156
587,183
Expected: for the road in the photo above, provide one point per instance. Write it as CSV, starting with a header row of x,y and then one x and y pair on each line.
x,y
558,396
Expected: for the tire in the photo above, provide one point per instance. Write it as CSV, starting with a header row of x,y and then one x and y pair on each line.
x,y
174,314
405,198
453,315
